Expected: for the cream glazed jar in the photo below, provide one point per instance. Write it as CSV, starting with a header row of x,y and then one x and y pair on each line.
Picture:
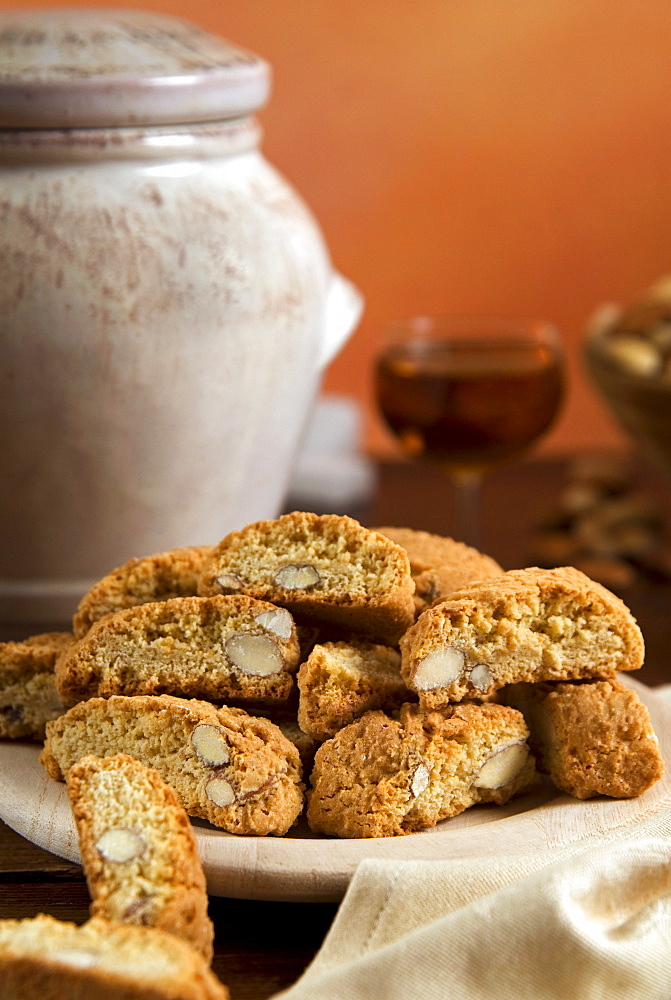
x,y
168,304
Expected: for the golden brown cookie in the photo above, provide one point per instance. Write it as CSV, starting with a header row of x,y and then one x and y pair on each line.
x,y
216,648
235,770
101,960
592,738
307,746
140,581
379,777
138,849
439,564
340,681
28,695
324,568
525,625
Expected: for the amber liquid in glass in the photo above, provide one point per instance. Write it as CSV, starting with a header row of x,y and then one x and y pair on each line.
x,y
468,406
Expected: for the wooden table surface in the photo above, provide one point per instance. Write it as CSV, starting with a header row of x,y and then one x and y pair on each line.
x,y
262,947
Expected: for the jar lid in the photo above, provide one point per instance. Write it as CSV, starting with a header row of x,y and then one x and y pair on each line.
x,y
88,67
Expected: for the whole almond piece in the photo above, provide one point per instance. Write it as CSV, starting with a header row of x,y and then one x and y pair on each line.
x,y
254,654
210,745
481,676
219,791
297,576
120,844
229,583
439,668
502,766
278,621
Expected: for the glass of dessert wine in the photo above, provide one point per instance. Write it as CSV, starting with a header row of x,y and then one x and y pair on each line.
x,y
468,394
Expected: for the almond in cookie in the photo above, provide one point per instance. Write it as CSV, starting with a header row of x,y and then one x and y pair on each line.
x,y
590,737
216,648
525,625
324,568
235,770
138,849
382,777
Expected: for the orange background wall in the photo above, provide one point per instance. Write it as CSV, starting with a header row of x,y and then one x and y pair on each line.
x,y
471,156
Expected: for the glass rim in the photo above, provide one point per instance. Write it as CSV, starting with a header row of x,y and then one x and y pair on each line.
x,y
428,325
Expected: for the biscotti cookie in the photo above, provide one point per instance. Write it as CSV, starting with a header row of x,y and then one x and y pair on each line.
x,y
379,777
340,681
592,738
235,770
217,648
51,959
138,849
307,746
323,568
440,565
140,581
525,625
28,695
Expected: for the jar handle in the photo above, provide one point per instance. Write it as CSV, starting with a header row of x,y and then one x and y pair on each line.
x,y
344,306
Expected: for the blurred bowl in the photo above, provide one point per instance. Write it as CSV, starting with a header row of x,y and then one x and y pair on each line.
x,y
628,357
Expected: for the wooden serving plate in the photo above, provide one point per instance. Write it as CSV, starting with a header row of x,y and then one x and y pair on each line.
x,y
308,868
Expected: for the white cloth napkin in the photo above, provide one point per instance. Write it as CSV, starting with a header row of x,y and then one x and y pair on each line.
x,y
591,920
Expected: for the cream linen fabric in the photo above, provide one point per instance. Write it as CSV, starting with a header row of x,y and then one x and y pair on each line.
x,y
593,925
590,921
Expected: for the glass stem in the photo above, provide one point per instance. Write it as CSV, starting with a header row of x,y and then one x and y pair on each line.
x,y
467,508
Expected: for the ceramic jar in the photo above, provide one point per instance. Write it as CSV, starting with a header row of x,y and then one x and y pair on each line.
x,y
168,304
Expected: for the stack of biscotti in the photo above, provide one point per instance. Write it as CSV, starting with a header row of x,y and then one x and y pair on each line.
x,y
28,695
179,664
225,668
406,672
550,643
197,682
384,766
149,935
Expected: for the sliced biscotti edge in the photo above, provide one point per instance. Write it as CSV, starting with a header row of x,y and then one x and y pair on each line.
x,y
439,564
339,681
53,959
382,776
216,648
325,568
591,737
156,577
138,849
28,695
233,769
526,625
